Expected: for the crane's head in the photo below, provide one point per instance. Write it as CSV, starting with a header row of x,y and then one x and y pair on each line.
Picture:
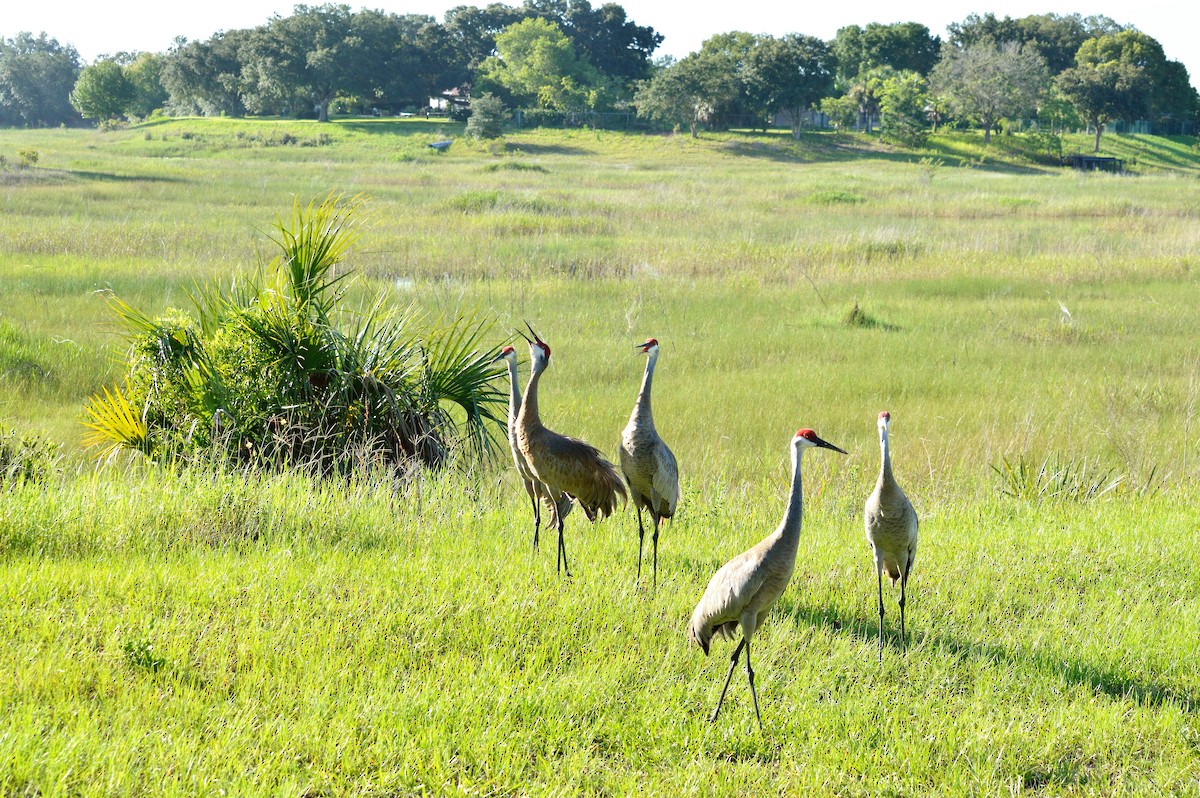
x,y
507,353
539,350
807,439
648,348
885,418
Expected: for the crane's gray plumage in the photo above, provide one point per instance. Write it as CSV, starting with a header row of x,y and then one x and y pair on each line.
x,y
538,493
891,524
647,462
564,465
743,590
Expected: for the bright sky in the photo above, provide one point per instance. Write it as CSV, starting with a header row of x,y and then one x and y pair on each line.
x,y
94,28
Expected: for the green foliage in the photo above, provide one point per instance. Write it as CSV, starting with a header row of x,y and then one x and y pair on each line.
x,y
1103,92
103,91
488,117
535,64
903,99
987,82
25,458
1056,480
36,78
267,373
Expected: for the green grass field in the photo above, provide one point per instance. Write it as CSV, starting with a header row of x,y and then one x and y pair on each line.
x,y
181,633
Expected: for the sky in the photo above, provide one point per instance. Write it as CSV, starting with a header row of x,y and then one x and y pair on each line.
x,y
95,28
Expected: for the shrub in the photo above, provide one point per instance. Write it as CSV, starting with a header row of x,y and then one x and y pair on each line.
x,y
25,459
273,372
488,116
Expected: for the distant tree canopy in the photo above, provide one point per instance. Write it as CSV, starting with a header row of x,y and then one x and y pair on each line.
x,y
985,82
536,65
790,75
37,75
1103,92
103,91
1055,38
568,55
903,46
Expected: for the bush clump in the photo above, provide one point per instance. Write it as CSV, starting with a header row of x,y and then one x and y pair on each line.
x,y
25,458
488,115
273,372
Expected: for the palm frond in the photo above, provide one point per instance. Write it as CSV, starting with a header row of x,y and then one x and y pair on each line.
x,y
115,424
311,243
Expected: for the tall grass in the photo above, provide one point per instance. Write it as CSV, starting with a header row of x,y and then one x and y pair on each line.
x,y
176,632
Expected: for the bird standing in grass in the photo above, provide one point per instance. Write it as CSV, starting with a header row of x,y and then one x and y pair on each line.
x,y
744,589
565,465
647,463
536,490
891,525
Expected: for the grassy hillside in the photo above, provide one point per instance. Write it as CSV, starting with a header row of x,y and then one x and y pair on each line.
x,y
1031,329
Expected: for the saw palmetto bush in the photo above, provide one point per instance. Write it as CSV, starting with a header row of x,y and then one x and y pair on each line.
x,y
274,371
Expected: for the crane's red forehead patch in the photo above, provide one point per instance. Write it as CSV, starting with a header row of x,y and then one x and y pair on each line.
x,y
885,415
650,342
805,433
545,347
508,350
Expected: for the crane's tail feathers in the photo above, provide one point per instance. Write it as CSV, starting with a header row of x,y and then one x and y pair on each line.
x,y
605,489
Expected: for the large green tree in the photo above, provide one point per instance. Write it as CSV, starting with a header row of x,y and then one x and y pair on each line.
x,y
791,74
37,75
103,91
145,75
612,43
206,77
316,54
1169,92
903,46
986,82
687,93
535,64
1056,38
903,104
1103,92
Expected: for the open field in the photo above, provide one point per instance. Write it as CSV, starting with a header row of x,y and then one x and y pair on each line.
x,y
179,633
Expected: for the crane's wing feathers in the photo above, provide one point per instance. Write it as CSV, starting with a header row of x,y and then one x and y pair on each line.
x,y
576,468
666,481
729,592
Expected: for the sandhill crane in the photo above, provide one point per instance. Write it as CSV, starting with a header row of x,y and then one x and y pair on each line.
x,y
647,463
891,529
744,589
563,464
536,490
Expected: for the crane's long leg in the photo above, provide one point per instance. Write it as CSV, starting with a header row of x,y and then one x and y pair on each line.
x,y
641,538
903,588
753,693
537,518
657,524
732,664
879,575
562,548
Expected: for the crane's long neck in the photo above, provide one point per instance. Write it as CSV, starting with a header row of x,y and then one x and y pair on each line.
x,y
790,528
528,417
641,409
514,393
885,460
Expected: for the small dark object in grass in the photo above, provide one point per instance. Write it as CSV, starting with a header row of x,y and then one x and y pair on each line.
x,y
857,317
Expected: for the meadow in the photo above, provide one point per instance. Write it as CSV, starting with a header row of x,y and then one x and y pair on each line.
x,y
1031,330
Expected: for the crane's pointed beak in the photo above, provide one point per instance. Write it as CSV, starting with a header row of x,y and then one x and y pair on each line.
x,y
536,337
523,335
827,445
496,358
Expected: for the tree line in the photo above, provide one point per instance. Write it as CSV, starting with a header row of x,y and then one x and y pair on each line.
x,y
566,56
